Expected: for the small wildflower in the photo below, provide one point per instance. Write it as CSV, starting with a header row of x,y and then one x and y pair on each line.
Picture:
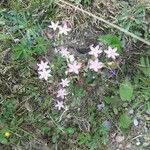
x,y
64,52
65,82
111,52
61,93
74,67
43,65
95,51
7,134
95,65
44,74
60,105
64,30
54,26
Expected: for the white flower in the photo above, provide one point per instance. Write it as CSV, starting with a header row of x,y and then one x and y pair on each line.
x,y
95,65
62,93
44,74
60,105
64,29
65,82
64,52
74,67
43,65
54,26
111,52
95,51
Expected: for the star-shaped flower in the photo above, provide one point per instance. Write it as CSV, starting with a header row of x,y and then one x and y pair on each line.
x,y
54,26
60,105
65,82
62,93
74,67
64,52
95,65
95,51
64,29
43,65
111,52
44,74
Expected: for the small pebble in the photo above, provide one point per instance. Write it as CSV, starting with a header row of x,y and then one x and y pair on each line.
x,y
128,145
148,112
147,117
131,111
107,124
119,138
100,106
145,129
145,144
125,105
120,145
136,123
16,40
138,143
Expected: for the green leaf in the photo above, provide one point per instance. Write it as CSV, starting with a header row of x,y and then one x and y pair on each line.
x,y
3,140
70,130
84,139
126,90
5,37
41,45
21,51
145,65
124,121
111,40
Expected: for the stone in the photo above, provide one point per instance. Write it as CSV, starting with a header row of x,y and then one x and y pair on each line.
x,y
136,123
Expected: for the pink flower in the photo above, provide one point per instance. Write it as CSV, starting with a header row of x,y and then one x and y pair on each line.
x,y
111,52
65,82
95,65
64,52
44,74
95,51
74,67
54,26
61,93
43,65
60,105
64,30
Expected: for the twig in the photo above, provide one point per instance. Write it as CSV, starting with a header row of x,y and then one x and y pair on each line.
x,y
105,21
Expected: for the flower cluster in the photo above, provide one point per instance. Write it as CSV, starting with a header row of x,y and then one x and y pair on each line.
x,y
62,29
62,92
44,70
73,65
94,63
